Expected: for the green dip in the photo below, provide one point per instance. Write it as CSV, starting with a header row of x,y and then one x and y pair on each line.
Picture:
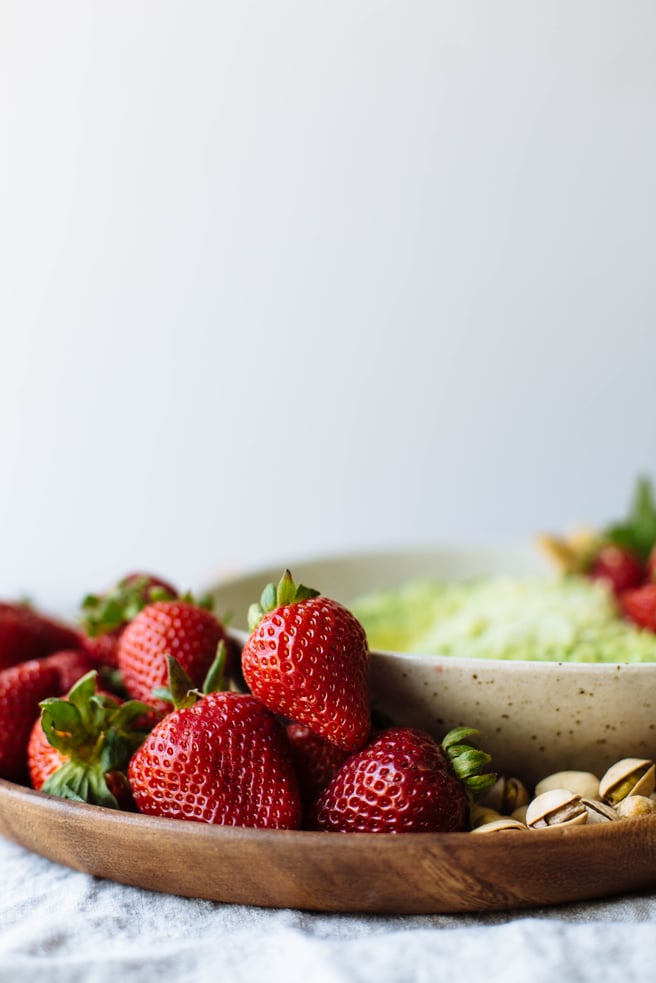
x,y
561,619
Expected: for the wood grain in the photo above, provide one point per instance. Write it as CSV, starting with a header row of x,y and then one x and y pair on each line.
x,y
410,873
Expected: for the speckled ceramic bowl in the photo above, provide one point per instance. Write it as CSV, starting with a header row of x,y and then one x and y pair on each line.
x,y
534,717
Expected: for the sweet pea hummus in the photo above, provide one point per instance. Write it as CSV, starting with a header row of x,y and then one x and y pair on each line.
x,y
561,619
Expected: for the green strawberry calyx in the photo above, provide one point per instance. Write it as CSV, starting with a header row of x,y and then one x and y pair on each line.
x,y
181,692
277,596
103,613
96,734
468,762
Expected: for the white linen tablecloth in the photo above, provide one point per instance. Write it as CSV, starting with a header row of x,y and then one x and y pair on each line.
x,y
58,925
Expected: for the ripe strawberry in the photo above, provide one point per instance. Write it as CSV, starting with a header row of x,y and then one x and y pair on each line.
x,y
307,659
223,759
80,746
179,628
104,616
404,782
651,567
26,634
316,760
22,687
639,605
619,567
71,665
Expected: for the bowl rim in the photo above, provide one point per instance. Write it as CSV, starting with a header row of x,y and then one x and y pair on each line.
x,y
408,551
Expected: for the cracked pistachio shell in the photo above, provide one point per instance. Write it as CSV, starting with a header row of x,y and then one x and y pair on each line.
x,y
630,776
599,812
500,826
634,806
557,807
583,783
506,795
482,814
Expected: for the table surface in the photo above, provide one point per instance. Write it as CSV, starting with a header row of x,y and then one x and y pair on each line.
x,y
59,925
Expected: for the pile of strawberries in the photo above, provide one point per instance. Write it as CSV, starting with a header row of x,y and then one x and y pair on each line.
x,y
151,706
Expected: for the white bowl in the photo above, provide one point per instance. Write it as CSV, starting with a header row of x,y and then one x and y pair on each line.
x,y
535,717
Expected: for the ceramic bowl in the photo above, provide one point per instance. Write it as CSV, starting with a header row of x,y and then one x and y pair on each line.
x,y
534,717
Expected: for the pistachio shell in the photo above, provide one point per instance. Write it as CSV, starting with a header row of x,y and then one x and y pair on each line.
x,y
481,814
519,814
634,806
583,783
557,807
630,776
599,812
500,826
505,795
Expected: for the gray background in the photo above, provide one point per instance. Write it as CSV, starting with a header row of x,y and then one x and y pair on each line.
x,y
284,278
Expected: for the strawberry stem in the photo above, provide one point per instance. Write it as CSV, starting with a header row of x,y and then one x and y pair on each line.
x,y
282,595
468,762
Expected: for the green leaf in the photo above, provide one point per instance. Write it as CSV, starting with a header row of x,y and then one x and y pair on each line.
x,y
182,689
638,531
214,679
80,783
255,615
269,598
62,724
457,736
286,593
304,593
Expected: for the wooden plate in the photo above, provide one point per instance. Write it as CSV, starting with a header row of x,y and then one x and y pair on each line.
x,y
408,873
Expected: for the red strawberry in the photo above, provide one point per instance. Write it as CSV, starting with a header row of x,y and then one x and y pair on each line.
x,y
224,760
619,567
80,746
639,606
179,628
651,567
403,782
71,664
27,634
307,659
22,687
104,616
316,760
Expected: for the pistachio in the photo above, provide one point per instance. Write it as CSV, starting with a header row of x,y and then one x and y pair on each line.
x,y
557,807
583,783
506,795
499,826
634,806
482,814
630,776
599,812
519,814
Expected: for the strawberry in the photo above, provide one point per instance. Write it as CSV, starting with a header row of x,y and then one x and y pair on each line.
x,y
22,687
180,628
404,782
80,746
618,566
307,659
26,634
316,760
651,567
71,665
222,758
104,616
639,605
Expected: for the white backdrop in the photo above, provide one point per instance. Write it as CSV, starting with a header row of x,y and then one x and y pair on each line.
x,y
283,278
